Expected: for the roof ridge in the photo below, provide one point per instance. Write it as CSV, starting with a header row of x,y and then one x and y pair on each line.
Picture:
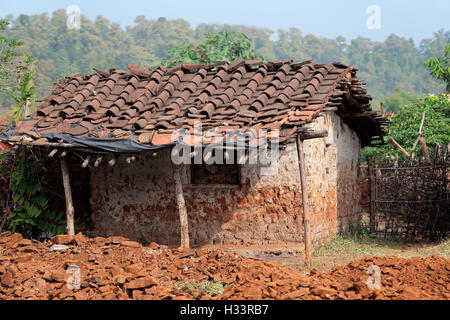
x,y
147,71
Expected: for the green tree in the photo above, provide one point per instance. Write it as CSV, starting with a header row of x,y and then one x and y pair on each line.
x,y
398,99
439,68
405,126
8,51
222,46
30,212
15,69
100,43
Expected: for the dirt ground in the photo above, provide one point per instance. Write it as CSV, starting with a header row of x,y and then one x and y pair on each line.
x,y
116,268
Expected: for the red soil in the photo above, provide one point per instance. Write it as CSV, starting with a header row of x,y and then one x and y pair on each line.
x,y
116,268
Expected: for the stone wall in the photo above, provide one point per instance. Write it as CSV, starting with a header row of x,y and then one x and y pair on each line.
x,y
138,201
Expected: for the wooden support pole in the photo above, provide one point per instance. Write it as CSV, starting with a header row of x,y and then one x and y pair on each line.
x,y
372,186
399,147
181,208
68,195
418,137
305,205
425,152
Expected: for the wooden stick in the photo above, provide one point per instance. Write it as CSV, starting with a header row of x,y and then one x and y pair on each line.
x,y
208,156
52,153
193,154
399,147
438,151
330,109
370,169
97,161
68,196
425,152
418,137
314,135
421,122
86,161
305,205
226,155
184,227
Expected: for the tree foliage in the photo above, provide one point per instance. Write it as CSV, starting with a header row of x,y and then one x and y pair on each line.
x,y
405,126
217,47
15,69
440,67
100,43
8,51
31,213
397,99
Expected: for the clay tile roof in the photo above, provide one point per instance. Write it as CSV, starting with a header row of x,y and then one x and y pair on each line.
x,y
149,104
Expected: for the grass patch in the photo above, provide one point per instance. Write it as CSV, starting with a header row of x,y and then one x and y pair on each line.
x,y
211,288
442,249
347,247
356,243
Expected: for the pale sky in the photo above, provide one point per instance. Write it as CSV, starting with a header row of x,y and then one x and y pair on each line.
x,y
416,19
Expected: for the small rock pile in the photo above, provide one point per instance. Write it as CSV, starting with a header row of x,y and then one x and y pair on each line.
x,y
78,267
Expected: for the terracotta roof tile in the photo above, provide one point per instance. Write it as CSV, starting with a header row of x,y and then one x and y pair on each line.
x,y
241,93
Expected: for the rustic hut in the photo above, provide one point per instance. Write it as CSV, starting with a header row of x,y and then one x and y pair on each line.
x,y
119,126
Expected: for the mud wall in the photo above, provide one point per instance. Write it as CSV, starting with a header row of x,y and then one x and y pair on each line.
x,y
138,201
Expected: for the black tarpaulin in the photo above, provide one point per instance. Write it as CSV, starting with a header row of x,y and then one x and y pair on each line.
x,y
127,145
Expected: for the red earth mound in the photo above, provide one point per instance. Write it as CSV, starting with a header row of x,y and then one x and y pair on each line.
x,y
77,267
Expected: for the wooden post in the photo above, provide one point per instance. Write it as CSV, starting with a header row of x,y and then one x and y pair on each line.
x,y
418,137
372,186
181,208
406,153
425,152
68,196
305,205
28,103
